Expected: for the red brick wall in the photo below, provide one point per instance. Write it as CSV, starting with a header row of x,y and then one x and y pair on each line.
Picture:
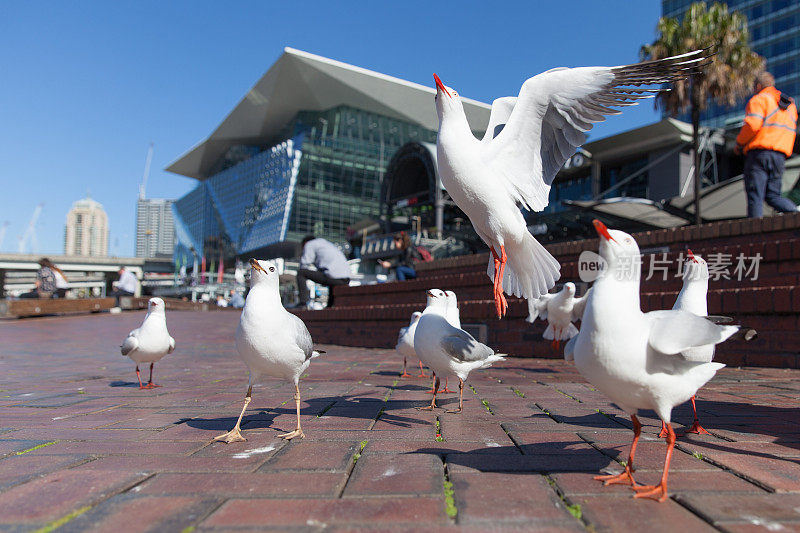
x,y
370,316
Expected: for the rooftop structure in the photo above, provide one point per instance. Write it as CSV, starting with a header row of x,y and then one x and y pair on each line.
x,y
305,151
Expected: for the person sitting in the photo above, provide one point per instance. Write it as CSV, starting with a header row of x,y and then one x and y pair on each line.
x,y
126,286
331,267
45,284
62,286
403,264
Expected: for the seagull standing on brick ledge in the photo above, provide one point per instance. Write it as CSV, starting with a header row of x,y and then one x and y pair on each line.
x,y
149,342
271,340
639,360
528,139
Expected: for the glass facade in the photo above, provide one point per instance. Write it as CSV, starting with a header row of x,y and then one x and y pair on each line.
x,y
325,177
774,33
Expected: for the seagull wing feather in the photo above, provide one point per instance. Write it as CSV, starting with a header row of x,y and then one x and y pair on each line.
x,y
549,118
673,332
129,344
463,347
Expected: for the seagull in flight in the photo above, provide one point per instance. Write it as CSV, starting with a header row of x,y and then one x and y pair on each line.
x,y
527,141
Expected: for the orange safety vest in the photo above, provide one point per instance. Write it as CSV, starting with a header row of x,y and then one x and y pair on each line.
x,y
769,123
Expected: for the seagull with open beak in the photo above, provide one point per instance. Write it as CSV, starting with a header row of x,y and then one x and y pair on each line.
x,y
639,360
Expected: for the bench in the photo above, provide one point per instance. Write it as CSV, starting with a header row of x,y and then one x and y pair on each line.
x,y
39,307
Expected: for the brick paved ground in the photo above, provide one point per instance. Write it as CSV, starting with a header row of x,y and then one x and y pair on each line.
x,y
83,448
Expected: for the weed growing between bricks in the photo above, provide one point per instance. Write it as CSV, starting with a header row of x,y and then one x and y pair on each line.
x,y
450,508
351,466
55,524
573,508
438,437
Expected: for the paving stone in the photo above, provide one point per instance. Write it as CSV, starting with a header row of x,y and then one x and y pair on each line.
x,y
134,513
246,485
110,436
372,512
411,474
56,494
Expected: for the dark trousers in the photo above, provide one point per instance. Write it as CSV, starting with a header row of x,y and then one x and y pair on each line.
x,y
404,272
320,277
763,177
117,293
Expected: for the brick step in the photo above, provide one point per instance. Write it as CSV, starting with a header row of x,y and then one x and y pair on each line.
x,y
779,266
772,311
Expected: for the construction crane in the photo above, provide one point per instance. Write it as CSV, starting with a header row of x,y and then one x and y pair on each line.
x,y
143,185
30,232
3,232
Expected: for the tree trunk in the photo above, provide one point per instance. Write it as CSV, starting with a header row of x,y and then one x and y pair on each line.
x,y
696,148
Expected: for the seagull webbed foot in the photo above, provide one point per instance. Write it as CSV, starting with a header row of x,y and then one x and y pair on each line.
x,y
233,435
292,434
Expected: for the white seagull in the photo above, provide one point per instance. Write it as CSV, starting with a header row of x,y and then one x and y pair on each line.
x,y
405,345
527,141
452,315
448,350
149,342
638,359
560,310
271,340
693,298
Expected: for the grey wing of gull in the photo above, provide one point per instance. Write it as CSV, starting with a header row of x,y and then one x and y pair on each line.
x,y
302,336
129,344
462,346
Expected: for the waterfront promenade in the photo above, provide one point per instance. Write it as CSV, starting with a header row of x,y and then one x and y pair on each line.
x,y
83,449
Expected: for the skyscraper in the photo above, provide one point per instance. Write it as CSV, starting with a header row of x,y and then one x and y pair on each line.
x,y
774,27
86,232
155,228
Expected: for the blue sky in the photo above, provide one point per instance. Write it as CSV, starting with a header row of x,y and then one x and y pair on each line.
x,y
86,86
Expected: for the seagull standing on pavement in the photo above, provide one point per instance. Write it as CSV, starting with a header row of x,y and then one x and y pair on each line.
x,y
527,141
693,298
560,310
639,360
405,345
149,342
271,340
448,350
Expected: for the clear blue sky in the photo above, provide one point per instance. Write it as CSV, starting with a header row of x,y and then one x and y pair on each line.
x,y
86,86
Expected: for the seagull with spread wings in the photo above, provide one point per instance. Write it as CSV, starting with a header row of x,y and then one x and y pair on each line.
x,y
527,141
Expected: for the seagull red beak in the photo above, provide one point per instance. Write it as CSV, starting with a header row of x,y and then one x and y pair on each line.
x,y
691,256
256,266
440,85
602,230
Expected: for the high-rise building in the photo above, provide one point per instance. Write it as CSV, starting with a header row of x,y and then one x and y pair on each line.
x,y
86,232
155,228
774,27
305,151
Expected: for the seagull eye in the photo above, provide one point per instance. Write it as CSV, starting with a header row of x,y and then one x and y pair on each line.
x,y
272,269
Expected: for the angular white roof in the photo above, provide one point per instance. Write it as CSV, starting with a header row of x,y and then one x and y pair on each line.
x,y
299,81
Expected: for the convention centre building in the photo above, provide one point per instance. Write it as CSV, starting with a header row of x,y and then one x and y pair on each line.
x,y
304,152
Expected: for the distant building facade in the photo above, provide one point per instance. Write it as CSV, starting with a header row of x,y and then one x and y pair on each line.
x,y
305,151
86,231
774,27
155,228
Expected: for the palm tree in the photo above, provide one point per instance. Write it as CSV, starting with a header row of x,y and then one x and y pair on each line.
x,y
728,77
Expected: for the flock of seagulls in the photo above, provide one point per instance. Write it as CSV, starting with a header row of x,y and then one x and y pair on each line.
x,y
654,360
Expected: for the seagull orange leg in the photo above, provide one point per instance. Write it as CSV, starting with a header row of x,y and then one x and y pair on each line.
x,y
659,492
445,389
663,432
435,390
434,386
150,384
140,377
626,477
422,373
405,374
500,302
696,427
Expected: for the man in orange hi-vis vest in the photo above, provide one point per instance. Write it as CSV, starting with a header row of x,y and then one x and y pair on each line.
x,y
767,139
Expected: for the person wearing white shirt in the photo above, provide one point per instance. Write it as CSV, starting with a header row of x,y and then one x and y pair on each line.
x,y
331,267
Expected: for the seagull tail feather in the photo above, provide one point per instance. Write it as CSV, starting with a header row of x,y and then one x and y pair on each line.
x,y
530,272
495,357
